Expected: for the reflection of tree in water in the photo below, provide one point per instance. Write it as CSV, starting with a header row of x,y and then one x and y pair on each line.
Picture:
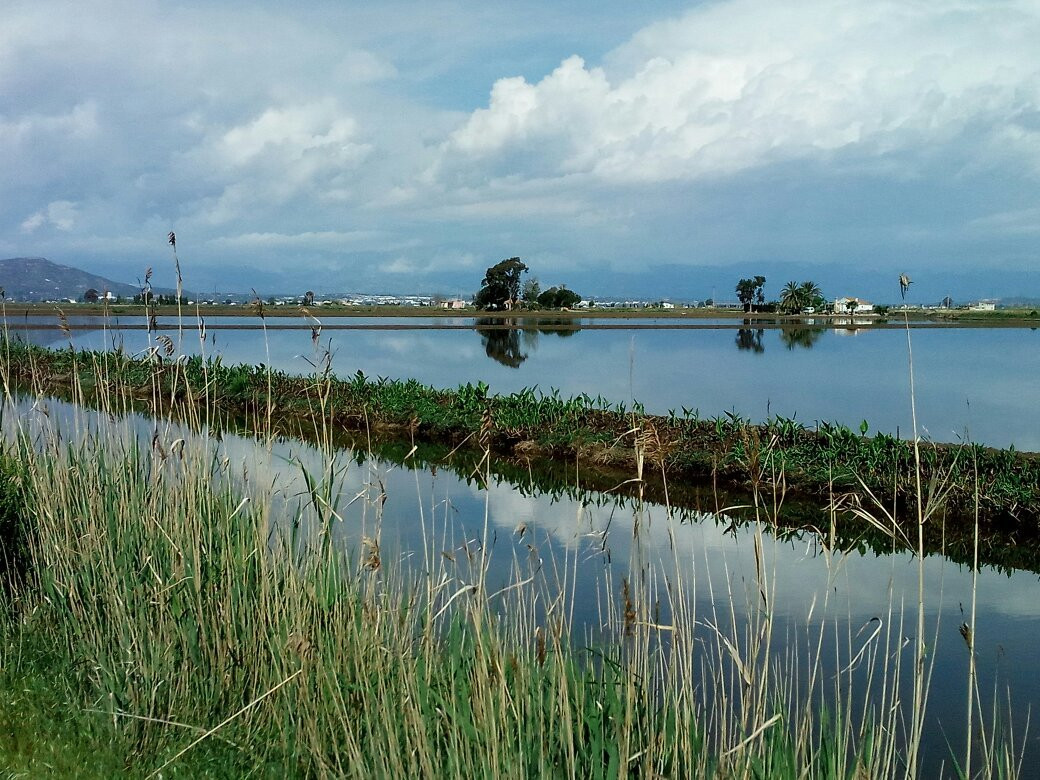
x,y
751,340
502,345
800,337
505,339
558,327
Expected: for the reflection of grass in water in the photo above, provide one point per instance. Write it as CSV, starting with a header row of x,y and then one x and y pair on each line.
x,y
192,629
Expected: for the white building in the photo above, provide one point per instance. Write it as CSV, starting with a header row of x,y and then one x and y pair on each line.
x,y
984,306
454,303
851,305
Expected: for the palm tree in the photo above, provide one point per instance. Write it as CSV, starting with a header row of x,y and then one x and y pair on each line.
x,y
790,297
811,294
795,297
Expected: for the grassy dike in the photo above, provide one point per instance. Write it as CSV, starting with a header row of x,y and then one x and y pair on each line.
x,y
877,473
1005,546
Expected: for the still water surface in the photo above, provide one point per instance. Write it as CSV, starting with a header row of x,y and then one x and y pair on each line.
x,y
981,384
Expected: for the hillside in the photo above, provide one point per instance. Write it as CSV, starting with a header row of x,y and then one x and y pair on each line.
x,y
38,279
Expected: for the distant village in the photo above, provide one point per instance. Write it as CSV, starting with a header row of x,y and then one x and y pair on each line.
x,y
844,305
37,279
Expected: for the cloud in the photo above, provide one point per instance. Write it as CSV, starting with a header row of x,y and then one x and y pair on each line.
x,y
311,150
61,214
735,86
294,133
1020,221
428,262
362,67
401,265
33,222
391,140
326,239
79,122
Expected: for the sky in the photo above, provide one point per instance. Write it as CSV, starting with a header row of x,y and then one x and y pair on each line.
x,y
652,149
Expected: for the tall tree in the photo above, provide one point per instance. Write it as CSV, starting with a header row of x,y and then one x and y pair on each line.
x,y
501,286
794,297
749,291
532,289
791,297
812,295
559,298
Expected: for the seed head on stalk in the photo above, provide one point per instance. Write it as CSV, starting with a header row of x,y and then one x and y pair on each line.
x,y
315,325
904,285
171,239
258,305
63,324
167,344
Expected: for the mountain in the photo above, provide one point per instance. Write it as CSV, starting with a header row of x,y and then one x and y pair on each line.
x,y
1019,301
38,279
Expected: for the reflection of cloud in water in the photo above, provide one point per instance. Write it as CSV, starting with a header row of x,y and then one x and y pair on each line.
x,y
566,520
800,571
707,556
45,337
417,344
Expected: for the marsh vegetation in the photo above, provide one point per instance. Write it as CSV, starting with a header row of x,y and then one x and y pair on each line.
x,y
188,612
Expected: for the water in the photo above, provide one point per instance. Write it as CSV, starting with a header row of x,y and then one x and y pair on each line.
x,y
981,384
432,515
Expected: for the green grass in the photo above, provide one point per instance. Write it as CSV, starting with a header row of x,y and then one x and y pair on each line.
x,y
44,728
1025,314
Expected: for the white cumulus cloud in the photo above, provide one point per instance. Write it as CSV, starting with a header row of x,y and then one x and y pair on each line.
x,y
733,86
294,132
325,239
60,214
